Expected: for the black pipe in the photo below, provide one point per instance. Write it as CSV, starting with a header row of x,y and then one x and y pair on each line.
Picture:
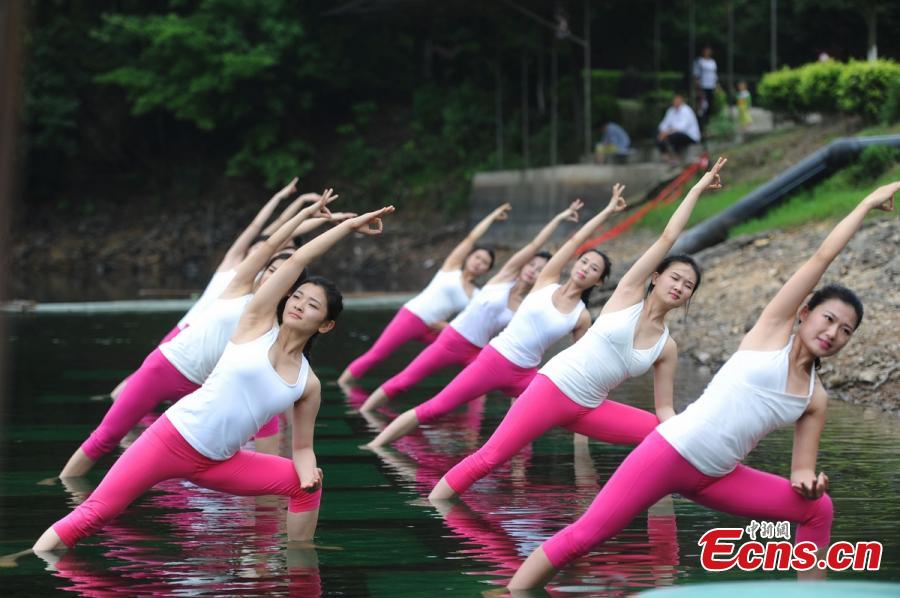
x,y
833,156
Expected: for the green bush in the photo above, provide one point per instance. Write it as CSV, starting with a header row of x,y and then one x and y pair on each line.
x,y
873,162
779,91
864,87
817,85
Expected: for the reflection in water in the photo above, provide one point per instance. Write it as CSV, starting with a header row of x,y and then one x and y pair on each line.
x,y
180,539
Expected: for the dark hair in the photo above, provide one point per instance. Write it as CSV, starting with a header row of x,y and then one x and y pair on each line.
x,y
282,255
484,248
607,268
333,299
679,258
259,239
298,241
841,293
544,254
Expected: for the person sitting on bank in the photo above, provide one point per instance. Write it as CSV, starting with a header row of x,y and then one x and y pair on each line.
x,y
614,144
677,130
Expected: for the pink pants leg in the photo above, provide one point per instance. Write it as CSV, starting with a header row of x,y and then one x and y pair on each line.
x,y
450,348
157,380
655,469
490,371
161,453
543,406
404,327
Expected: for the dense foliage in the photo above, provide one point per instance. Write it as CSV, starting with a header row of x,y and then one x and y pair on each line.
x,y
869,89
408,99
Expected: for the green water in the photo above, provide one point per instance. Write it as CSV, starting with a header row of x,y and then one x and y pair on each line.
x,y
376,535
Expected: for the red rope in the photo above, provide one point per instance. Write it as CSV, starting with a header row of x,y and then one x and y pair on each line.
x,y
669,193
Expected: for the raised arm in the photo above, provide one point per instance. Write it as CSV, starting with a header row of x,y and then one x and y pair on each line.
x,y
311,224
631,286
457,257
776,321
552,271
514,264
260,312
289,211
238,249
246,271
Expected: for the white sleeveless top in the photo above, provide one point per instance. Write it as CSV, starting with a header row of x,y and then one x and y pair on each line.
x,y
603,358
536,325
243,392
195,351
744,401
443,297
217,285
486,314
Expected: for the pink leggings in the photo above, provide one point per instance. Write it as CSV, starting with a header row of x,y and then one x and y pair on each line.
x,y
450,348
157,380
655,469
161,453
543,406
404,327
490,371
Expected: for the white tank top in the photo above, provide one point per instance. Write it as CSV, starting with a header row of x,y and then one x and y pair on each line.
x,y
243,393
744,401
195,351
217,285
443,297
536,325
485,315
603,358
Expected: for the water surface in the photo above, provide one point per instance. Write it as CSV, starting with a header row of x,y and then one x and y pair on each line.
x,y
376,534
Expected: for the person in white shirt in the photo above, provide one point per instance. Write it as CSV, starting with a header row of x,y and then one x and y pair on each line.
x,y
705,78
678,129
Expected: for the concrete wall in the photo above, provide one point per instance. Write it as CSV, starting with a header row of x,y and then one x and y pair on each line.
x,y
537,194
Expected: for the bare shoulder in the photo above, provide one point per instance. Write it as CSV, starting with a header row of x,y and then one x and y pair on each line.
x,y
313,389
670,349
819,400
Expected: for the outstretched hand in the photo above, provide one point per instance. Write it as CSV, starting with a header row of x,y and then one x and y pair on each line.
x,y
288,189
711,179
810,488
501,212
341,216
882,198
571,213
370,223
319,209
617,202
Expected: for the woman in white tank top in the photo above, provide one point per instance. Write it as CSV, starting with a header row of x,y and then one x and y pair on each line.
x,y
263,371
248,240
627,339
769,382
179,366
423,316
486,315
550,311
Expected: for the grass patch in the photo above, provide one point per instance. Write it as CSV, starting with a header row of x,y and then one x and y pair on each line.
x,y
710,203
832,199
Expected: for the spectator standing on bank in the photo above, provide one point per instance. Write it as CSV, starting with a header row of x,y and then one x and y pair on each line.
x,y
706,78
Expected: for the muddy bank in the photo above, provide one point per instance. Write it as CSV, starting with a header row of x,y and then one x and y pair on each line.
x,y
742,274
